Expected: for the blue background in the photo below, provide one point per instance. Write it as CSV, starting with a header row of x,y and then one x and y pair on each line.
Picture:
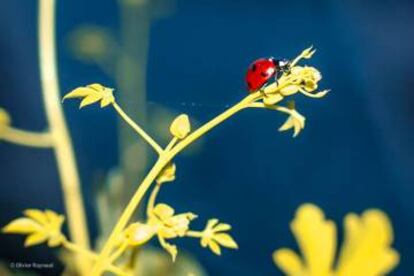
x,y
356,152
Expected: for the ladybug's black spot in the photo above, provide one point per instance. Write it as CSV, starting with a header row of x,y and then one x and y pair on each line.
x,y
249,84
263,74
254,67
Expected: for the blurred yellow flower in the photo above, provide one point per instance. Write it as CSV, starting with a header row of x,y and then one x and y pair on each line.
x,y
39,226
181,126
167,224
167,174
366,250
213,236
163,223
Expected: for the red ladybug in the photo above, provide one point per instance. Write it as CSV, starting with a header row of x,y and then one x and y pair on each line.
x,y
262,70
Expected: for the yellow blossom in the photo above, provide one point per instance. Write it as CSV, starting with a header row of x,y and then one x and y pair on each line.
x,y
181,126
163,223
40,226
366,250
167,174
298,79
139,233
169,225
213,236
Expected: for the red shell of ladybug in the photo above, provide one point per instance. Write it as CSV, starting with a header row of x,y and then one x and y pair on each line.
x,y
260,72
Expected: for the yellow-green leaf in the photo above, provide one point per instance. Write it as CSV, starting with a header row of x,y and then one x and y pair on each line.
x,y
36,215
107,101
91,94
96,86
180,127
79,93
90,99
222,227
39,226
225,240
308,52
295,121
35,238
214,247
22,226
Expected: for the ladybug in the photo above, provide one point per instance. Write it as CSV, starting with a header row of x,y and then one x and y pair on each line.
x,y
262,70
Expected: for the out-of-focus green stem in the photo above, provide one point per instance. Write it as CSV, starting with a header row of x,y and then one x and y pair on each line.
x,y
63,149
26,138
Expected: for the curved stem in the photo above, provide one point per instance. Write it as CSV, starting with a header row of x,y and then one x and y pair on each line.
x,y
118,253
82,251
211,124
151,200
126,215
164,159
171,144
26,138
138,129
63,149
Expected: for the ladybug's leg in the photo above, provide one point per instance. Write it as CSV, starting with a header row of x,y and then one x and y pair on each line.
x,y
277,78
261,90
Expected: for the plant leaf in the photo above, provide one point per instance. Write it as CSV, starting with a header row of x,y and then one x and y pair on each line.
x,y
22,226
222,227
308,52
90,99
214,247
226,240
35,238
91,94
37,216
79,93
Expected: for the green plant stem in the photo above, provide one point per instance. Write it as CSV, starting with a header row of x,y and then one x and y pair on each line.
x,y
121,249
138,129
164,159
26,138
63,149
126,215
151,200
194,234
82,251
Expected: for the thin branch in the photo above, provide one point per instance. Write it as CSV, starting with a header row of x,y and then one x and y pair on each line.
x,y
26,138
138,129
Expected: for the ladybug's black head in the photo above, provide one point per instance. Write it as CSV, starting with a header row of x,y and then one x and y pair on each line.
x,y
283,64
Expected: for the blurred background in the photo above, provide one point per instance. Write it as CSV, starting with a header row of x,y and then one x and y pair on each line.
x,y
165,57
